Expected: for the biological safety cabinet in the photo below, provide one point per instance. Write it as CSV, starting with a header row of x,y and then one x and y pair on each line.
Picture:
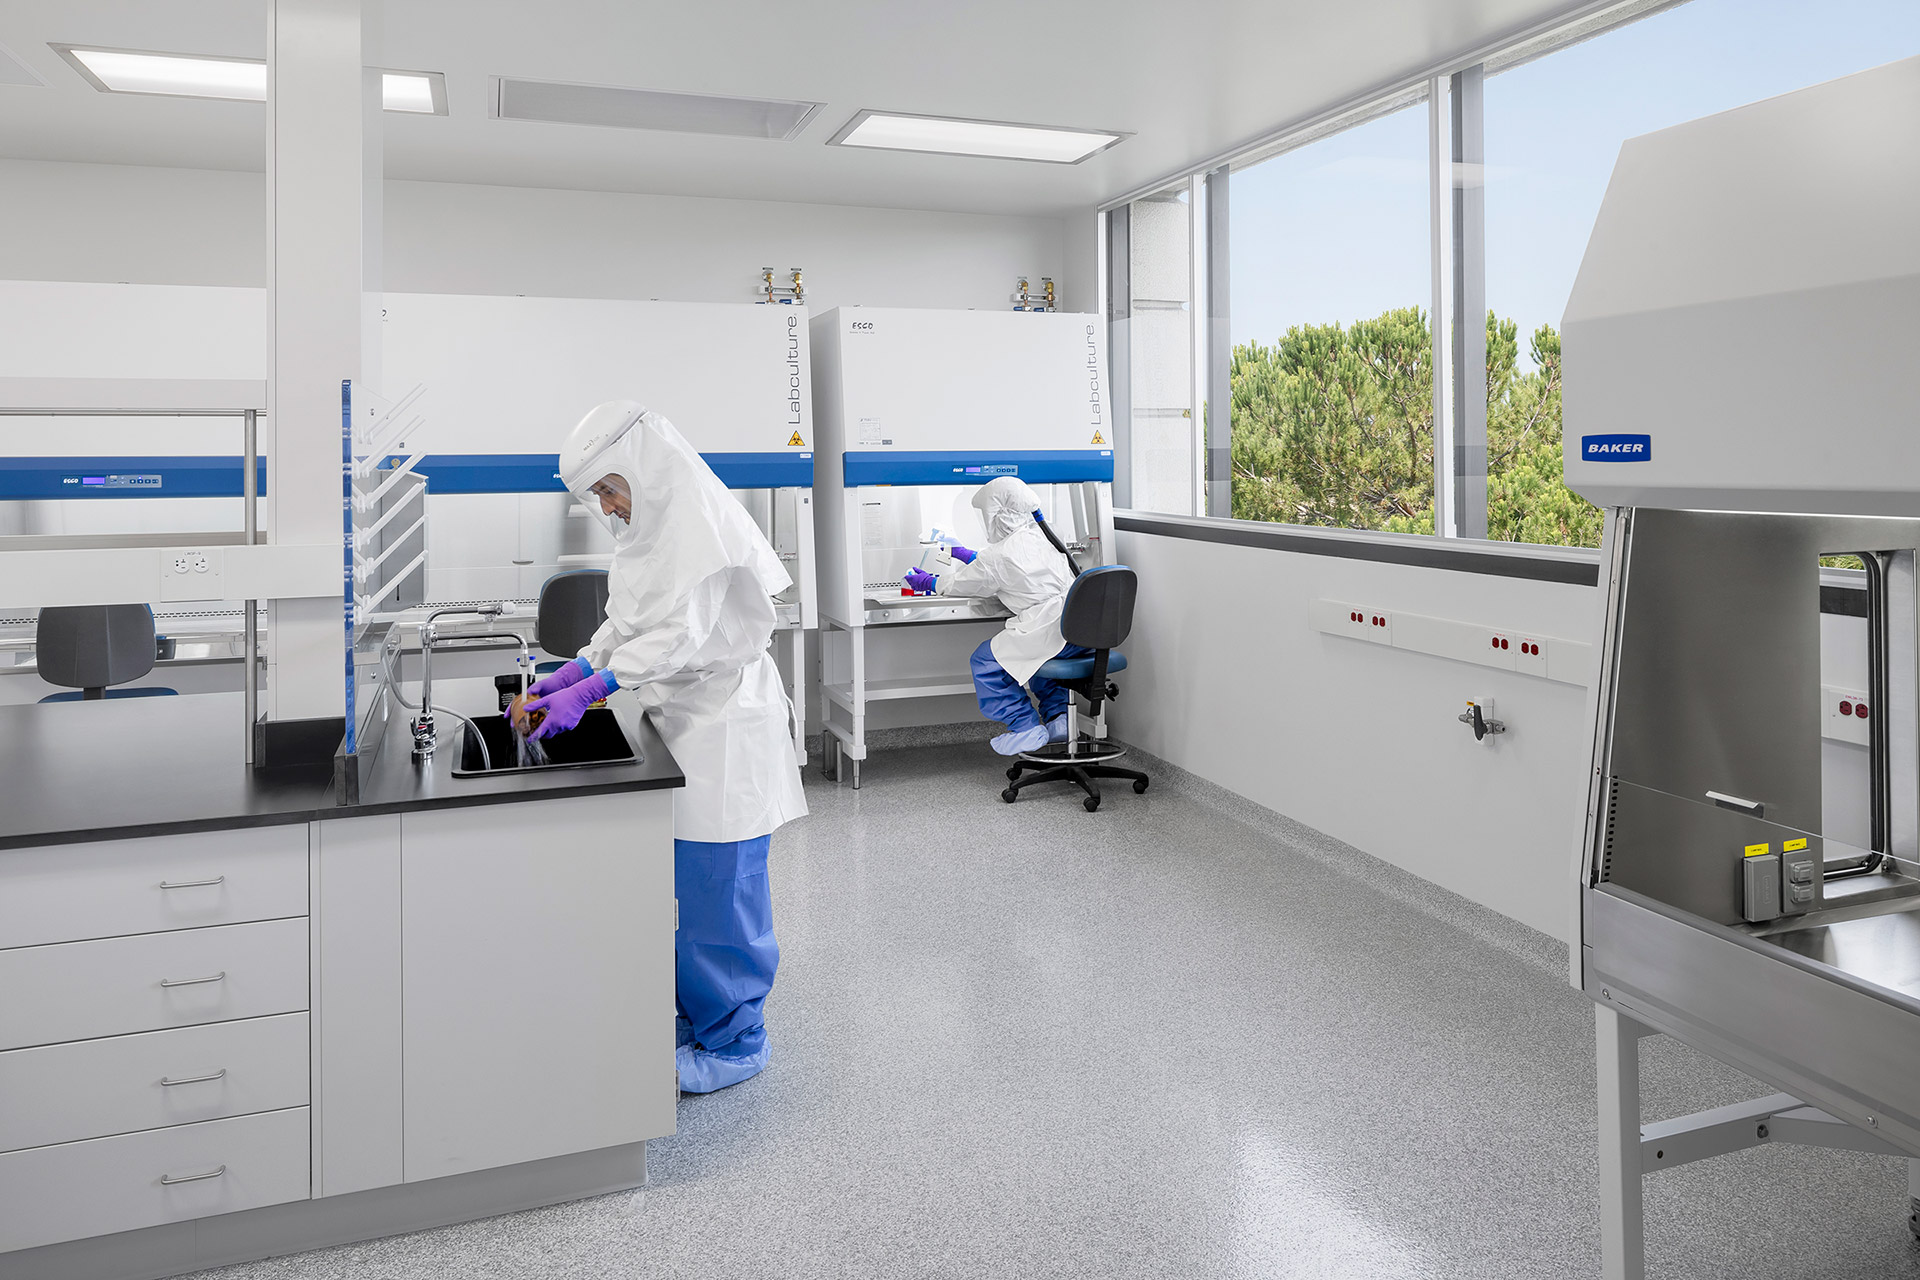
x,y
916,409
1739,346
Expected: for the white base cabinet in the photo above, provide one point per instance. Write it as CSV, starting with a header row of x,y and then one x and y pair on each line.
x,y
538,984
377,1019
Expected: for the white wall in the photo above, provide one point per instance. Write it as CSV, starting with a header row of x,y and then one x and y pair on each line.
x,y
1228,679
173,226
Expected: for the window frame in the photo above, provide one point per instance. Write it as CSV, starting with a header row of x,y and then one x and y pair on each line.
x,y
1454,94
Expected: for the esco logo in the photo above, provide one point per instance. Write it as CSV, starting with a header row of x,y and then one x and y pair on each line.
x,y
862,326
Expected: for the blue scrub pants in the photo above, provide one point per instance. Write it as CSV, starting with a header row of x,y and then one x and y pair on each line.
x,y
1002,698
724,951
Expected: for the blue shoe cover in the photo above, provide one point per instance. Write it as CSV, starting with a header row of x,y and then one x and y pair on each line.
x,y
703,1070
1057,728
682,1031
1012,744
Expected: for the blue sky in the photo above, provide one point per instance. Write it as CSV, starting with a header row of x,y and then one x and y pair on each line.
x,y
1339,230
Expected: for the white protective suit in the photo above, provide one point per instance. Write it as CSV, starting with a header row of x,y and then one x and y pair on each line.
x,y
1021,567
689,620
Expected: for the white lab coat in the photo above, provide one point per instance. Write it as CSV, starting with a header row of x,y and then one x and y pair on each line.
x,y
1026,572
689,621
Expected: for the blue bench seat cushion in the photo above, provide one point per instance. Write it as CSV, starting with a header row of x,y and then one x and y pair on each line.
x,y
1064,670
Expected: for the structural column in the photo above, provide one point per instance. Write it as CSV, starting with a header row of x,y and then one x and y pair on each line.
x,y
323,247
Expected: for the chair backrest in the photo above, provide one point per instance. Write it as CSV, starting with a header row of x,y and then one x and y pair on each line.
x,y
91,646
572,607
1099,608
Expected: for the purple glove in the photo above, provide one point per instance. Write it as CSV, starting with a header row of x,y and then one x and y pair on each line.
x,y
561,711
554,681
961,553
920,582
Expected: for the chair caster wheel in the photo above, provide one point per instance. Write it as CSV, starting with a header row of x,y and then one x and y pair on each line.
x,y
1009,795
1091,803
1013,774
1139,785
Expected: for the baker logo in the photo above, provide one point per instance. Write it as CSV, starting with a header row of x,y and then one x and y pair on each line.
x,y
796,442
1616,448
1098,438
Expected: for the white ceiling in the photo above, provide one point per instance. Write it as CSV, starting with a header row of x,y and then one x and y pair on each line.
x,y
1188,80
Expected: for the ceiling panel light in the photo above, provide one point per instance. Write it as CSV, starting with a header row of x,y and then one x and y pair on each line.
x,y
181,75
420,93
611,106
173,75
891,131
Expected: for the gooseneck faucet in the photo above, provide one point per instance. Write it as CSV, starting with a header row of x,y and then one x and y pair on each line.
x,y
424,735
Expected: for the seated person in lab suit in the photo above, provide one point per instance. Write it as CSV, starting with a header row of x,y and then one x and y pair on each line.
x,y
1030,576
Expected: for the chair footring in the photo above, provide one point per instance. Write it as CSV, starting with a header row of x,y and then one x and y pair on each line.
x,y
1088,751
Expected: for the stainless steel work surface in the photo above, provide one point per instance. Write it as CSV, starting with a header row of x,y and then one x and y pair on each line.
x,y
1883,950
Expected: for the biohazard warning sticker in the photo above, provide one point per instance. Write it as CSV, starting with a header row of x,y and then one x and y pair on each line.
x,y
1097,437
796,442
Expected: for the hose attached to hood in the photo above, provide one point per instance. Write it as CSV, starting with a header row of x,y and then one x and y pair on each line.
x,y
1058,545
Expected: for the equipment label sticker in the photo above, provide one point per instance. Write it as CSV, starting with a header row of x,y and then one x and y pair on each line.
x,y
1793,846
1755,850
1616,448
796,442
1098,438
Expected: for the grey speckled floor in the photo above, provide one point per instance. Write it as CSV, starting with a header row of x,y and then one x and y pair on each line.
x,y
1170,1038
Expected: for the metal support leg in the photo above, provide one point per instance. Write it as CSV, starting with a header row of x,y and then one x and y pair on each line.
x,y
1623,1242
250,515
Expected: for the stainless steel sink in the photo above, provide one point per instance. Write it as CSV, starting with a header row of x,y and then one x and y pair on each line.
x,y
597,739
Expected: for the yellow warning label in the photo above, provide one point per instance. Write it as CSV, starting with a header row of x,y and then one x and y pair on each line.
x,y
1755,850
796,442
1793,846
1097,437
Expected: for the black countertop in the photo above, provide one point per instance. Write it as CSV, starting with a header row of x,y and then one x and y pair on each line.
x,y
118,768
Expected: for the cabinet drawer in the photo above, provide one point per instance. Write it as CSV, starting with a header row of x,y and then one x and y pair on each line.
x,y
64,893
94,1188
115,986
97,1088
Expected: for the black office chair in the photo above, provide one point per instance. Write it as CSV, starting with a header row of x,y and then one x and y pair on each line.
x,y
1098,615
87,648
572,607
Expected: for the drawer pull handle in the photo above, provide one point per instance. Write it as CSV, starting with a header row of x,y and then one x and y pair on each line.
x,y
168,1084
168,1180
191,884
192,982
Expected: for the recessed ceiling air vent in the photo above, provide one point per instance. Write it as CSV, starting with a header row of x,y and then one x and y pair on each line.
x,y
14,71
610,107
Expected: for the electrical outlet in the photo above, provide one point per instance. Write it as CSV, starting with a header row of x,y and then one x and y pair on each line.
x,y
1530,655
1847,717
181,564
197,560
1372,624
1500,649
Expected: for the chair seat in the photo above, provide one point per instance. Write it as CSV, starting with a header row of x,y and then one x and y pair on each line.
x,y
78,695
1064,670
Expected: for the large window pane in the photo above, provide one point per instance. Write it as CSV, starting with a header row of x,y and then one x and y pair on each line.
x,y
1553,130
1332,350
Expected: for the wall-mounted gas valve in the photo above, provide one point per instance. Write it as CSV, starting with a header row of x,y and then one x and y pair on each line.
x,y
768,291
1026,300
1479,717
